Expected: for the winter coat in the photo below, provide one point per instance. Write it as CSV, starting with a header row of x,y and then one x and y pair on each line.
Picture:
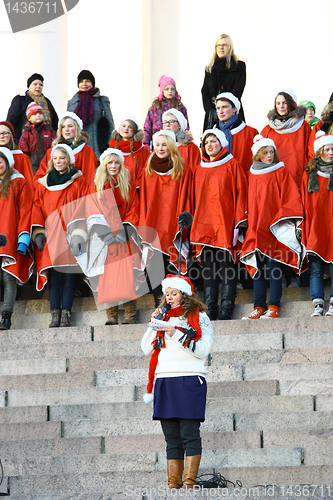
x,y
35,142
153,121
221,79
17,117
100,102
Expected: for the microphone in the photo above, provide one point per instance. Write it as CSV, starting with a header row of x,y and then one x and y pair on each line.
x,y
3,240
164,310
185,219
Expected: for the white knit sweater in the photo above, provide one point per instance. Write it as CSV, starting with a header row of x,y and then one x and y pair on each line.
x,y
175,360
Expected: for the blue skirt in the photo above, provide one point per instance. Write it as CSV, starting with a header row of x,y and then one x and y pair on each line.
x,y
180,397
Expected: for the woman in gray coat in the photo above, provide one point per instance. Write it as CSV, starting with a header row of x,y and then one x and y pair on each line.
x,y
94,110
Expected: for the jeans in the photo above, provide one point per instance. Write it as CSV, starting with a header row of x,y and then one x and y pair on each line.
x,y
317,268
61,289
181,435
9,290
267,269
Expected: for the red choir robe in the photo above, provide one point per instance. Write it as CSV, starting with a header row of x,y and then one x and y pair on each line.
x,y
292,146
85,160
52,210
111,271
317,228
162,199
190,153
14,221
274,210
141,154
220,198
23,164
242,142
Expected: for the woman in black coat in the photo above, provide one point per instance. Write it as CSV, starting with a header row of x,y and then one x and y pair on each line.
x,y
224,73
17,111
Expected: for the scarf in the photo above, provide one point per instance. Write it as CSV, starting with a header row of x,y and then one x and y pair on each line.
x,y
322,166
40,99
226,129
284,123
54,178
180,135
159,341
85,107
222,154
259,165
161,165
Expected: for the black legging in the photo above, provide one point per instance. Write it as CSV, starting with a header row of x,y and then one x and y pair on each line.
x,y
181,435
218,266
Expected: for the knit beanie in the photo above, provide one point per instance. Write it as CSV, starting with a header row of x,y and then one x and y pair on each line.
x,y
163,82
34,77
260,142
230,97
85,74
9,155
67,148
32,109
111,151
163,132
179,115
10,126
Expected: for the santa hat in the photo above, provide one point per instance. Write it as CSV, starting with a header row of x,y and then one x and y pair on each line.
x,y
32,109
163,82
231,97
181,283
260,142
9,155
70,114
321,140
289,92
124,118
218,133
179,115
163,132
67,148
111,151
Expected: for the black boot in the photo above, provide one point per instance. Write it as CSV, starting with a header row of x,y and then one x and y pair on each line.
x,y
5,321
227,301
211,296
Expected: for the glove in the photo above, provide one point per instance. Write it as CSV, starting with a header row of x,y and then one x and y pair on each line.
x,y
40,241
121,236
108,239
76,245
3,240
22,248
189,331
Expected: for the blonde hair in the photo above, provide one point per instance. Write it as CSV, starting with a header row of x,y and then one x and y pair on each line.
x,y
261,151
50,165
123,176
228,57
5,181
176,159
79,134
313,164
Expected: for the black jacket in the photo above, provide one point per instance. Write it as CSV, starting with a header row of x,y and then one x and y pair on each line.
x,y
17,117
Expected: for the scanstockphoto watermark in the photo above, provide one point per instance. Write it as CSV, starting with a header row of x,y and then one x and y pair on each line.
x,y
163,492
25,15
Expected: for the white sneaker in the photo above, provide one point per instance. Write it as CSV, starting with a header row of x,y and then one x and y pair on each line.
x,y
318,310
330,310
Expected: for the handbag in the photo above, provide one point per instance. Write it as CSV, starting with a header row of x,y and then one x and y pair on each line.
x,y
103,130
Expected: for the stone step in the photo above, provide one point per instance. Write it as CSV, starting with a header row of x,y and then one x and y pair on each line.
x,y
31,448
315,420
70,396
48,381
147,461
306,438
32,366
30,430
23,414
299,387
285,371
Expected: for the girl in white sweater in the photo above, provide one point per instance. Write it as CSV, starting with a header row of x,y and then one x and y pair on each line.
x,y
178,354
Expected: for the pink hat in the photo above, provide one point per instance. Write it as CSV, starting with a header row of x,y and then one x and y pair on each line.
x,y
163,82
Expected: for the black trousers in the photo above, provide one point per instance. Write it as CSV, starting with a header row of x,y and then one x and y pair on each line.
x,y
181,436
218,266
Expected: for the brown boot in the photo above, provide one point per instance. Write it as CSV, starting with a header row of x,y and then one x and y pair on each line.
x,y
175,472
130,313
65,318
112,315
55,318
191,470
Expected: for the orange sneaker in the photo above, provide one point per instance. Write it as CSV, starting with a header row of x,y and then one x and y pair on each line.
x,y
272,312
256,313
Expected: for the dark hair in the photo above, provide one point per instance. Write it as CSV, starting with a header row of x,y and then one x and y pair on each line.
x,y
292,105
5,184
189,303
